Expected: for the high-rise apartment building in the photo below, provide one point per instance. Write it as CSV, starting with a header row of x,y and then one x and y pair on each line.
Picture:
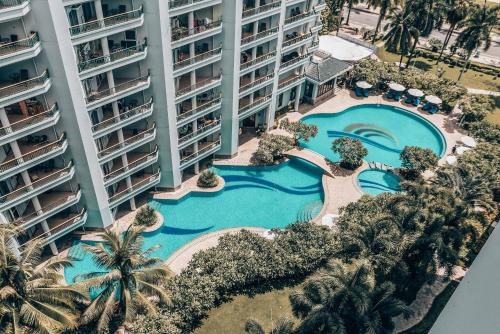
x,y
102,100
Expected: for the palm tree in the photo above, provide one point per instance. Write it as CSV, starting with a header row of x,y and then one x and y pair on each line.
x,y
345,299
350,4
385,6
130,279
455,12
401,32
32,300
283,326
477,30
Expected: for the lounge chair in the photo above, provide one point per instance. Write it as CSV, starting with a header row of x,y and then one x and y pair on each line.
x,y
358,92
397,96
409,99
416,101
366,93
390,94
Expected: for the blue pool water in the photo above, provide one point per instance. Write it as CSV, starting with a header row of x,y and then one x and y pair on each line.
x,y
384,131
265,197
374,181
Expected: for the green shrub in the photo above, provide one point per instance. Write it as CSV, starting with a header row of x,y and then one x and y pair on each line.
x,y
476,107
272,148
207,179
146,216
485,131
417,160
351,151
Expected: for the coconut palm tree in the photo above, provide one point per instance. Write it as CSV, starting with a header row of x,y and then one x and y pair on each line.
x,y
385,6
349,8
283,326
129,280
345,299
400,32
455,11
476,31
32,300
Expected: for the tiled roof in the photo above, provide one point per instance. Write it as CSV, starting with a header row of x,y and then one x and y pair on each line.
x,y
324,69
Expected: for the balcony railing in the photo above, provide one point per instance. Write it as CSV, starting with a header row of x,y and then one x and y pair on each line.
x,y
294,61
114,56
179,3
198,109
105,22
16,126
194,155
296,40
126,142
298,17
36,184
261,9
286,82
182,32
10,3
134,187
259,35
24,85
255,103
199,131
256,82
33,154
95,96
197,85
258,60
131,165
142,109
21,44
197,58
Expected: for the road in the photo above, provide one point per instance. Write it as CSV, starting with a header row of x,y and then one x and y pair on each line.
x,y
369,20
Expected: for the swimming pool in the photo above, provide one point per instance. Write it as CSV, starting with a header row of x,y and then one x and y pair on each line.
x,y
375,181
265,197
383,130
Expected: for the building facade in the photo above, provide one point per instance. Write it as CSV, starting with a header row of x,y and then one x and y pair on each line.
x,y
102,100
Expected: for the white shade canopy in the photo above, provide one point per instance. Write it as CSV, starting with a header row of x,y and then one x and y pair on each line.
x,y
415,92
433,99
396,87
363,85
468,141
268,235
462,149
451,160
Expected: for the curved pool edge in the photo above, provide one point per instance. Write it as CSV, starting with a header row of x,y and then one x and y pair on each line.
x,y
181,193
363,191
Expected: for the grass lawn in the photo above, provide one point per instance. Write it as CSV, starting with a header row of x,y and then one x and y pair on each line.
x,y
470,79
439,303
231,317
495,117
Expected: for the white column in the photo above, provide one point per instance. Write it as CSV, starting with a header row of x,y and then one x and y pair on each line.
x,y
298,90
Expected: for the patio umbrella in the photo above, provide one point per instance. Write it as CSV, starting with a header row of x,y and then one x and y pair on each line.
x,y
363,85
396,87
267,234
468,141
433,99
451,160
462,149
415,92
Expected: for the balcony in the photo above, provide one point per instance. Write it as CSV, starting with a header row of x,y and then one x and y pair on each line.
x,y
260,12
13,9
122,89
179,7
20,50
59,227
24,125
200,133
204,150
259,61
128,117
115,148
44,182
314,47
291,81
200,111
51,203
297,20
295,61
11,93
249,109
295,42
32,154
246,87
187,90
139,184
260,37
183,35
203,59
136,162
110,25
115,59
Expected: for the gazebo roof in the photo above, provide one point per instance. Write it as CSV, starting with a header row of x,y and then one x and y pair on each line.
x,y
322,69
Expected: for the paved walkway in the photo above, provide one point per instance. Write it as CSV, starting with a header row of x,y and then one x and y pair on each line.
x,y
188,186
313,157
482,92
